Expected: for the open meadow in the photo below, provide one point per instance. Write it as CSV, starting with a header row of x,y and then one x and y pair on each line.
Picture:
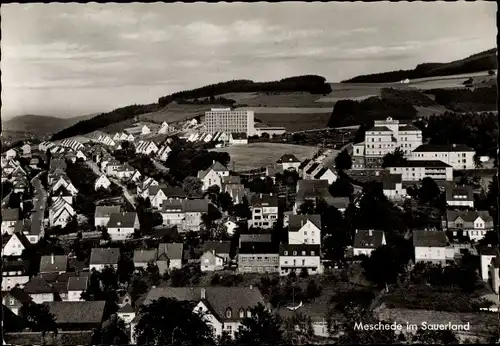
x,y
256,155
295,121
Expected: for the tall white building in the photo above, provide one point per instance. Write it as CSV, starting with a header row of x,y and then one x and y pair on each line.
x,y
230,121
386,136
459,156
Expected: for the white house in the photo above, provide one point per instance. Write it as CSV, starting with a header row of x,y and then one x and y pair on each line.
x,y
122,225
103,213
264,208
15,244
145,130
124,172
459,196
163,153
26,149
64,181
231,226
476,223
325,173
173,213
365,241
430,246
9,219
304,229
459,156
296,257
146,147
81,155
289,161
14,273
39,290
170,256
418,170
144,257
213,175
236,138
163,128
487,254
60,213
102,182
104,257
77,285
158,194
10,154
126,313
392,185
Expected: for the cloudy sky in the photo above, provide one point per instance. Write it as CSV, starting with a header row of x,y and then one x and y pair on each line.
x,y
74,59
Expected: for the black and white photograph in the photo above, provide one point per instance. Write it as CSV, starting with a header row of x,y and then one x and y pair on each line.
x,y
230,173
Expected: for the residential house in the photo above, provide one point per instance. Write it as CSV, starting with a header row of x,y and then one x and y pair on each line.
x,y
62,193
103,213
341,203
231,227
163,153
26,149
110,167
238,138
223,308
304,229
160,193
475,223
170,256
230,181
237,194
146,148
77,315
213,175
173,213
392,185
53,264
144,257
459,156
365,241
296,257
124,299
308,171
14,273
102,182
9,219
418,170
495,274
81,155
104,257
40,290
430,246
63,180
122,225
258,257
44,146
143,187
136,176
126,313
71,144
194,209
163,128
124,172
264,208
289,161
486,255
15,244
459,196
215,255
15,298
325,173
272,172
311,190
76,286
254,238
11,153
60,213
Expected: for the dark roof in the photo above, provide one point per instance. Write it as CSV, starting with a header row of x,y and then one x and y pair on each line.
x,y
172,250
20,295
218,167
172,206
15,266
106,211
77,312
195,205
272,170
468,215
442,148
288,158
264,200
339,202
38,285
389,181
467,191
379,128
304,163
258,248
77,283
255,238
220,247
489,251
320,173
425,238
218,299
53,263
145,256
126,309
296,222
299,248
173,191
312,168
369,239
408,127
421,163
231,179
312,184
124,219
104,256
10,214
239,135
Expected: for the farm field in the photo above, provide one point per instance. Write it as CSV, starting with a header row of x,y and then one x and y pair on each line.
x,y
289,110
445,82
174,112
295,121
256,155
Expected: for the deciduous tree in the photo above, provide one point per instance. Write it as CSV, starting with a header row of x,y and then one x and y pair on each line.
x,y
262,328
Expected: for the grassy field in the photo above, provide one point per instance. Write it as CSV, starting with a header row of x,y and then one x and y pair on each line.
x,y
174,112
289,110
295,121
256,155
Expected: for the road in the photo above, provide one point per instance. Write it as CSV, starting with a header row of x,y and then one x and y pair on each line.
x,y
125,191
39,205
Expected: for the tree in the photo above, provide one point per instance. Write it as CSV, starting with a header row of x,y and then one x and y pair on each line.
x,y
262,328
341,188
192,186
381,267
139,287
307,208
298,329
304,273
429,337
343,161
38,318
114,333
394,158
179,278
168,320
225,201
153,274
312,289
429,190
125,269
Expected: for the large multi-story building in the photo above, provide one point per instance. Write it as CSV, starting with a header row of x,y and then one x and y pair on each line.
x,y
229,121
418,170
459,156
384,138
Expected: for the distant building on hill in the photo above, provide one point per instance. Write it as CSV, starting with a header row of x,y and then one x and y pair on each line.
x,y
229,121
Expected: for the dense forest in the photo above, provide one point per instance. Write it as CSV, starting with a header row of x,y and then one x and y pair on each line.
x,y
413,96
483,61
309,83
466,100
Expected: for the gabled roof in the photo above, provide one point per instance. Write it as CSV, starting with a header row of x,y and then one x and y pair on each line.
x,y
170,250
106,211
124,219
469,215
443,148
312,168
53,263
258,248
298,249
126,309
38,285
421,163
195,205
77,283
296,222
104,256
21,237
172,206
453,191
21,296
145,256
288,158
423,238
379,128
304,163
218,167
255,238
264,200
368,239
231,179
80,312
220,247
10,214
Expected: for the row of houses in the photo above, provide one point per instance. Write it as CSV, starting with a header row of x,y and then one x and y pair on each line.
x,y
233,138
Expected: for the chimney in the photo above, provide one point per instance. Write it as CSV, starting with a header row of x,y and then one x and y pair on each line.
x,y
52,259
370,233
203,294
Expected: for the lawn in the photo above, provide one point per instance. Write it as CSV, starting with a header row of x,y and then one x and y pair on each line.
x,y
256,155
295,122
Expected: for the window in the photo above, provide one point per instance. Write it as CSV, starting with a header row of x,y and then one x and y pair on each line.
x,y
285,253
295,253
303,262
242,313
303,252
249,313
229,313
312,253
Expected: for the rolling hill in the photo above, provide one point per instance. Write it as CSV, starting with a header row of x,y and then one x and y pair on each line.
x,y
483,61
40,124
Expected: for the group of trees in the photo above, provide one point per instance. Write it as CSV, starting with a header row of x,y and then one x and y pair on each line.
x,y
212,100
467,100
394,158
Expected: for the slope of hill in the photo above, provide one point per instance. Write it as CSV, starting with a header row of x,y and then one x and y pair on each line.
x,y
483,61
310,83
40,124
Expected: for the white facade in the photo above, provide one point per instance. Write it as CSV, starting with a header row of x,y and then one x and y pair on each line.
x,y
210,179
11,279
430,254
8,226
102,182
40,298
307,234
120,233
454,156
264,217
291,165
416,172
100,267
229,121
485,265
13,247
298,262
75,296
